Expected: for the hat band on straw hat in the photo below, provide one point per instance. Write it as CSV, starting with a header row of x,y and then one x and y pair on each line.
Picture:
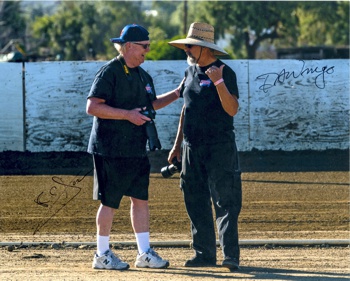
x,y
201,38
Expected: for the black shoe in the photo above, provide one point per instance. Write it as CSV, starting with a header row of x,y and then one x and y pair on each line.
x,y
231,263
198,261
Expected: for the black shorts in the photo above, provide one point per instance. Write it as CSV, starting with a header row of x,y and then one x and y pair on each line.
x,y
116,177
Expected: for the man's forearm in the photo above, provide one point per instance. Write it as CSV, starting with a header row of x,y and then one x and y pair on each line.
x,y
179,135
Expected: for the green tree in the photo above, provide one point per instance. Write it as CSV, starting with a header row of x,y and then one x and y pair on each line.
x,y
323,23
252,22
165,19
161,50
285,23
81,30
40,28
12,23
112,17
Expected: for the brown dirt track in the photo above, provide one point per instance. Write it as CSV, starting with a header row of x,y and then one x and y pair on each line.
x,y
47,197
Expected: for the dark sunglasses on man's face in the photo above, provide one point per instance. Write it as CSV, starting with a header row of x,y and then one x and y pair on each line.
x,y
189,46
145,46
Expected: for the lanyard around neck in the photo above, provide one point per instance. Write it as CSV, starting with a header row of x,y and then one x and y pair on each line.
x,y
127,71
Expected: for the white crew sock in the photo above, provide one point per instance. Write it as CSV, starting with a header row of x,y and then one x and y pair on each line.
x,y
102,244
142,240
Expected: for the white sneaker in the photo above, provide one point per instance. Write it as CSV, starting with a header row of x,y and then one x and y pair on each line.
x,y
151,259
109,261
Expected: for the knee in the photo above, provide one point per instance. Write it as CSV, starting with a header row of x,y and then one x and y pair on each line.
x,y
138,202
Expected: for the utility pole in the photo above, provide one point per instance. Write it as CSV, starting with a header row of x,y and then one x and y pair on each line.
x,y
185,17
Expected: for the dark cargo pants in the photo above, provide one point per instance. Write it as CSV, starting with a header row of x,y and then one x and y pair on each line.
x,y
211,175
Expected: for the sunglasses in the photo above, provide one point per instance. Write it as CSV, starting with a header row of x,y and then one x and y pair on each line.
x,y
189,46
145,46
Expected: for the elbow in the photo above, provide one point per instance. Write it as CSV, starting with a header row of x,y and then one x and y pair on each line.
x,y
90,107
234,112
88,110
235,108
93,106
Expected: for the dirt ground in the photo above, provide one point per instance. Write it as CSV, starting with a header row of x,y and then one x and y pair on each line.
x,y
47,220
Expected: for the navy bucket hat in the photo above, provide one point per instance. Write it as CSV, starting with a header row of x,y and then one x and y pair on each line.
x,y
131,33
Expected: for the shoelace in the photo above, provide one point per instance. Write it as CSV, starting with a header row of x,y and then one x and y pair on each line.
x,y
155,254
115,258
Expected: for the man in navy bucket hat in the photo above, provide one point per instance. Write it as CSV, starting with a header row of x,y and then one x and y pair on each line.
x,y
120,95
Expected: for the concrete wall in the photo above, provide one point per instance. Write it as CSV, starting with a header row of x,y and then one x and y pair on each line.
x,y
284,104
11,107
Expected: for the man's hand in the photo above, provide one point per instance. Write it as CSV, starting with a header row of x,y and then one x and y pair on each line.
x,y
136,117
174,152
214,73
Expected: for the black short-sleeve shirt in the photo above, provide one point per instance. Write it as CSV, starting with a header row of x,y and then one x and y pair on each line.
x,y
126,90
205,120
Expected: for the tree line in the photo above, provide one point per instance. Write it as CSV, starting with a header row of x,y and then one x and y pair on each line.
x,y
80,30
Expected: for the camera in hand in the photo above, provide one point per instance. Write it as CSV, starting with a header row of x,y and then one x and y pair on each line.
x,y
173,168
151,131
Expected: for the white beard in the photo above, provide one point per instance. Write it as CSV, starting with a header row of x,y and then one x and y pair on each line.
x,y
191,60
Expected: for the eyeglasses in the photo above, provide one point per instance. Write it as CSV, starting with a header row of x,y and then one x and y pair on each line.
x,y
189,46
145,46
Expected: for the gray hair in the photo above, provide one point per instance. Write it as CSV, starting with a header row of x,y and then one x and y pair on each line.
x,y
121,48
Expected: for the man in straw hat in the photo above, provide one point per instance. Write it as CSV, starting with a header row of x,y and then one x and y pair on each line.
x,y
210,165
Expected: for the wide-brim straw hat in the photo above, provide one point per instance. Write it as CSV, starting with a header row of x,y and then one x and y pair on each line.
x,y
200,34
